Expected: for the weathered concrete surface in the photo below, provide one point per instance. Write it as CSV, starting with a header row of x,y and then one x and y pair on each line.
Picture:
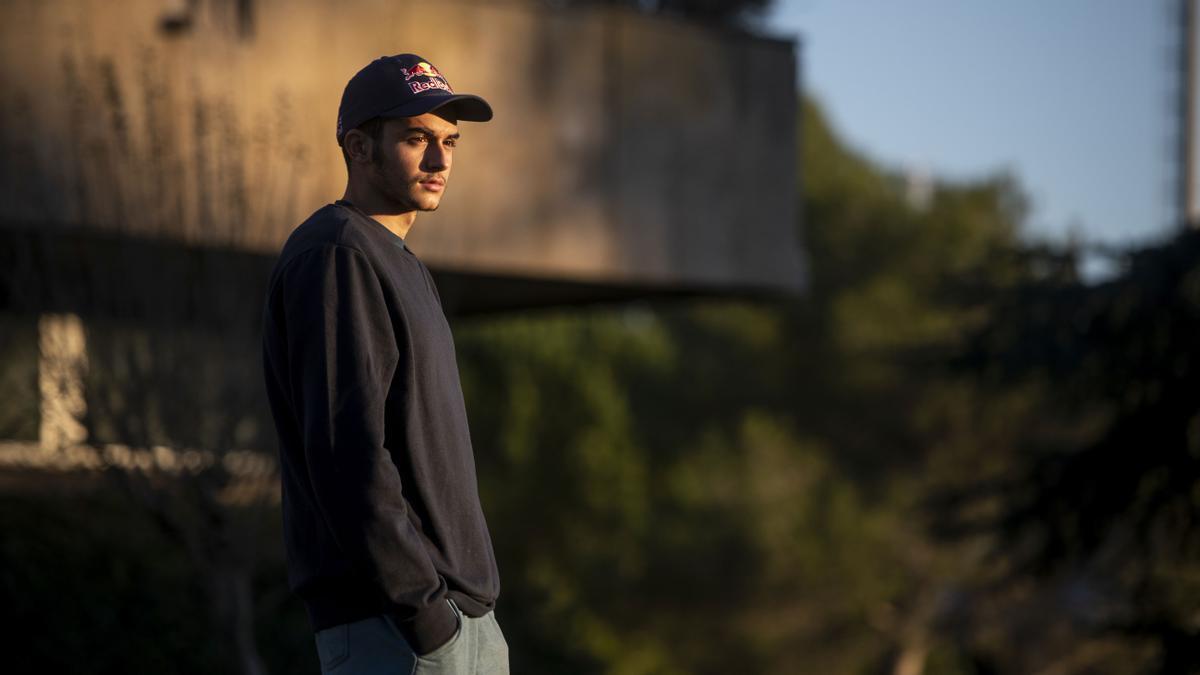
x,y
626,150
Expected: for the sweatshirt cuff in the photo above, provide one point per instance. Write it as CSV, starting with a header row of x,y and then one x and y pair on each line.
x,y
430,628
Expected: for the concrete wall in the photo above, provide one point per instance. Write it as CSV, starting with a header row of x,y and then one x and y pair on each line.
x,y
625,149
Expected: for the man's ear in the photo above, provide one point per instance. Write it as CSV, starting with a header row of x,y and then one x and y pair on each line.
x,y
358,146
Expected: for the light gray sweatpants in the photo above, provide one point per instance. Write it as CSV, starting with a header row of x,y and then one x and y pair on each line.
x,y
374,646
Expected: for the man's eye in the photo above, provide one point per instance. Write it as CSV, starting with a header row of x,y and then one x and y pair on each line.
x,y
416,139
453,143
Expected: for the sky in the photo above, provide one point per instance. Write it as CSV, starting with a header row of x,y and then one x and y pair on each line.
x,y
1073,97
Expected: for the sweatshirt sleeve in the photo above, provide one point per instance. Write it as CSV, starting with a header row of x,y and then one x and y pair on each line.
x,y
342,354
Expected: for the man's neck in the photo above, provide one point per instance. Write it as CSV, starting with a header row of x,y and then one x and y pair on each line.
x,y
399,222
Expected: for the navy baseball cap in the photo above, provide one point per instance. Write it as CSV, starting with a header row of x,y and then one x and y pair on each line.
x,y
404,85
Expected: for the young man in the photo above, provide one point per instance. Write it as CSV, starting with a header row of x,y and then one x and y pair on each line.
x,y
386,540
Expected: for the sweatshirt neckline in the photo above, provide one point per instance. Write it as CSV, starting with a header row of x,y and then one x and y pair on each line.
x,y
392,236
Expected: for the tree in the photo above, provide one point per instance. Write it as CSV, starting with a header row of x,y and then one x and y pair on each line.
x,y
737,485
1103,501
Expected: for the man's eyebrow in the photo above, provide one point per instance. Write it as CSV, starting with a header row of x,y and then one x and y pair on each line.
x,y
427,131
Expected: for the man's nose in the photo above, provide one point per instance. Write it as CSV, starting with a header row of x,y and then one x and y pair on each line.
x,y
437,158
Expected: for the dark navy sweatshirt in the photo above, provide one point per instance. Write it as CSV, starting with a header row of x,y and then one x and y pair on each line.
x,y
381,507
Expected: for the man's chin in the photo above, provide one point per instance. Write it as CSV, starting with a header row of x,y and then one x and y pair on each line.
x,y
418,204
426,202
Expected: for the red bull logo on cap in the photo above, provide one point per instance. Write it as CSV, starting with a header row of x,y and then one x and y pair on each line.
x,y
433,79
420,69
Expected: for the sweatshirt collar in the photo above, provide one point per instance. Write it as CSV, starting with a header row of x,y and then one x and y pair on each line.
x,y
393,237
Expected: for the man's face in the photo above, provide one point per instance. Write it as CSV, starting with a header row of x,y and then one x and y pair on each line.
x,y
412,163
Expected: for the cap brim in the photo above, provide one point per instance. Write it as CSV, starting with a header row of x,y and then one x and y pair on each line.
x,y
466,107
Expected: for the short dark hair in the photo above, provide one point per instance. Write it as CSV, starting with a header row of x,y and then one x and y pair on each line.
x,y
373,128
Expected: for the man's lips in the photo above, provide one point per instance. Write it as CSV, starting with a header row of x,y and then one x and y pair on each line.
x,y
433,184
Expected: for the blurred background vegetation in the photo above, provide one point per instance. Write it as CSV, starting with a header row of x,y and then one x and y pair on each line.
x,y
953,456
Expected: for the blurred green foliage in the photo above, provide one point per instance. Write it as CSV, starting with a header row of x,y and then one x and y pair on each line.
x,y
93,583
736,486
87,580
1110,514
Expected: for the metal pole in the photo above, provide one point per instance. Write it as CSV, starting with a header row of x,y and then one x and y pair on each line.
x,y
1187,113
